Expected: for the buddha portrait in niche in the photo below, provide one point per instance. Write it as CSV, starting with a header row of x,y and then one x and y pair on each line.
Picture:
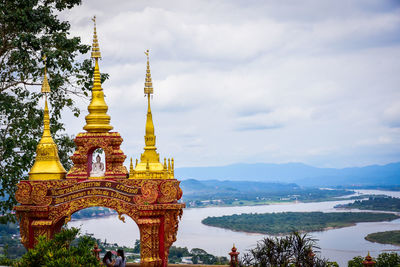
x,y
97,168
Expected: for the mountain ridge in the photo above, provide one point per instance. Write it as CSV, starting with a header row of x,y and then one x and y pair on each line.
x,y
294,172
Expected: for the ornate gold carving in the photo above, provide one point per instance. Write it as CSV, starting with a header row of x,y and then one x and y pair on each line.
x,y
149,193
23,193
110,143
149,241
24,230
150,202
39,197
168,192
171,223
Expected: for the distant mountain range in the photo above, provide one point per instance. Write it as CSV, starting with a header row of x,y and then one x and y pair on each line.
x,y
299,173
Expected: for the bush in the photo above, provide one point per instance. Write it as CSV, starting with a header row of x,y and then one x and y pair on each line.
x,y
293,250
383,260
61,251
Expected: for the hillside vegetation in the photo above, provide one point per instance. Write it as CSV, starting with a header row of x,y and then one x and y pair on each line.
x,y
286,222
374,203
237,193
388,237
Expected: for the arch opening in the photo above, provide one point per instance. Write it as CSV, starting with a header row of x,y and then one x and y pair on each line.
x,y
103,224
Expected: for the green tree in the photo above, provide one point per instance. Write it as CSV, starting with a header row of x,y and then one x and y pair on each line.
x,y
383,260
136,248
388,259
61,251
292,250
30,29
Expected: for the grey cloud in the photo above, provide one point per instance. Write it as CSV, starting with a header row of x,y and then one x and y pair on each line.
x,y
309,74
258,127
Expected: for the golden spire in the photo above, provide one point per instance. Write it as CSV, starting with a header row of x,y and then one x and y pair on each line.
x,y
150,138
47,164
98,120
150,153
131,170
45,84
150,159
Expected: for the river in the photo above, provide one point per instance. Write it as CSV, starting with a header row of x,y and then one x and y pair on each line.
x,y
337,244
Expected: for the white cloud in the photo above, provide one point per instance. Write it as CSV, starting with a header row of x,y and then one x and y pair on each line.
x,y
252,81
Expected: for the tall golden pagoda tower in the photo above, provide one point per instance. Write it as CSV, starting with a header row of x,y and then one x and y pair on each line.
x,y
150,165
97,133
98,121
47,164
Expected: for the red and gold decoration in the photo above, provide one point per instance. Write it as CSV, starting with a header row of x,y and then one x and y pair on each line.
x,y
149,194
234,262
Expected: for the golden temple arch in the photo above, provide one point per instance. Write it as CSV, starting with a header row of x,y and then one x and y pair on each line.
x,y
148,194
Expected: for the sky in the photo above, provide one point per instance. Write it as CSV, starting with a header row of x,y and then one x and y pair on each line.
x,y
311,81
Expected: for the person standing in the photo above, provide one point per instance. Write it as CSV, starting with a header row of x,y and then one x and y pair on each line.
x,y
121,260
107,261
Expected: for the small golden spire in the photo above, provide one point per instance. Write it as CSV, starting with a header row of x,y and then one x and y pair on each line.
x,y
95,47
148,84
45,84
97,120
47,164
149,155
172,165
169,165
150,138
131,170
150,165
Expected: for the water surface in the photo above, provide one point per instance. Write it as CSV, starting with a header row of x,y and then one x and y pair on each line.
x,y
337,244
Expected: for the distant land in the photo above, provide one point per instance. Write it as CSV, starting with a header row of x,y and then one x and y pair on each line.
x,y
374,203
247,193
388,237
299,173
286,222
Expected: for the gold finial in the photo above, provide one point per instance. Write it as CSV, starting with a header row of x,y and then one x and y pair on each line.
x,y
131,170
95,46
98,120
165,164
45,84
172,165
148,84
169,165
47,164
136,162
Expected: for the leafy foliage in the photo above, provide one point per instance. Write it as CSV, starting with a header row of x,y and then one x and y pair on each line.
x,y
285,222
10,243
383,260
61,251
293,250
29,30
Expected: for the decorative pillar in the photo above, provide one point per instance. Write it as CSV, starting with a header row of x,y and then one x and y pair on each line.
x,y
96,251
149,242
368,262
234,257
